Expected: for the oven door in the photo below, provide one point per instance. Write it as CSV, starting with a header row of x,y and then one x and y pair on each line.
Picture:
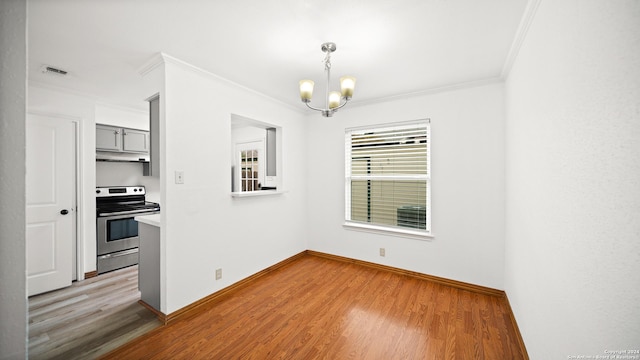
x,y
116,233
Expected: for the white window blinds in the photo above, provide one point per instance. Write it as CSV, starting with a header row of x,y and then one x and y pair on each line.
x,y
387,176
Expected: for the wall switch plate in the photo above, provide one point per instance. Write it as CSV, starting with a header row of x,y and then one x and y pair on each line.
x,y
382,252
218,274
179,177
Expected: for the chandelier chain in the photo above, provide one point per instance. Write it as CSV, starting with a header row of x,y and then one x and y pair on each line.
x,y
327,60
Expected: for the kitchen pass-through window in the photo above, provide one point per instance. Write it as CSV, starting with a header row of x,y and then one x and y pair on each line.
x,y
256,160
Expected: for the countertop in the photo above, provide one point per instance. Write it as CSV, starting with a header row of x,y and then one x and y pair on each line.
x,y
151,219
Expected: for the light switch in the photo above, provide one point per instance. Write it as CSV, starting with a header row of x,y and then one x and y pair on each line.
x,y
179,177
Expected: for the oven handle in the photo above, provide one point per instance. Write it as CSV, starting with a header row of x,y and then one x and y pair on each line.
x,y
119,253
128,212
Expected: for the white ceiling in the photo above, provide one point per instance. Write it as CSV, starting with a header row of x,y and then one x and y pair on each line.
x,y
391,47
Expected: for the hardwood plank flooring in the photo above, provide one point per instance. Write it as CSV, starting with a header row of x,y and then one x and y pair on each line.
x,y
89,318
318,308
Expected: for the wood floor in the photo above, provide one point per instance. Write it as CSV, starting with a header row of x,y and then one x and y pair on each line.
x,y
89,318
318,308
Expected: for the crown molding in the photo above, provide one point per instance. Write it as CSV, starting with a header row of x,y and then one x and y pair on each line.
x,y
430,91
155,61
163,58
521,34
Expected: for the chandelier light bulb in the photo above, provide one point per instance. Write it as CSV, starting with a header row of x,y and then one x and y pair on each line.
x,y
306,90
334,99
347,84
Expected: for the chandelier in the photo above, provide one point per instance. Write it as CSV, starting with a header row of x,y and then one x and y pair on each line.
x,y
333,100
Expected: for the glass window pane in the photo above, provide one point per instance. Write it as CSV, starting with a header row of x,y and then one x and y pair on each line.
x,y
382,202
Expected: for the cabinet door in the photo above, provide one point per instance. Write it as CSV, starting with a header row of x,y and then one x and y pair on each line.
x,y
108,138
135,141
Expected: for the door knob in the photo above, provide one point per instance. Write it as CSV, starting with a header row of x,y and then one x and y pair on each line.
x,y
64,211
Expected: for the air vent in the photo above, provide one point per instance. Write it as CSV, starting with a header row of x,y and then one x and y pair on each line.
x,y
51,70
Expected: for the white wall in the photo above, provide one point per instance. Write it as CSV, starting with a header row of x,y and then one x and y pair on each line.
x,y
467,129
127,174
13,100
573,180
204,228
125,117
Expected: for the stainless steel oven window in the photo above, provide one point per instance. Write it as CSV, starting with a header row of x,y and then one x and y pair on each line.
x,y
119,229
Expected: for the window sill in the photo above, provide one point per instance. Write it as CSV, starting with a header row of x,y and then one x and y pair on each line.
x,y
257,193
412,234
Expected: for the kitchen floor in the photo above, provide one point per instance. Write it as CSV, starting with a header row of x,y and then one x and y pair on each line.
x,y
89,318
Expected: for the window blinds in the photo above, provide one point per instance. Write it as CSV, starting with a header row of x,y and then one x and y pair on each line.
x,y
387,175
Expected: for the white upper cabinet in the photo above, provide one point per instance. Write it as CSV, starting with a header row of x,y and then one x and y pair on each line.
x,y
108,138
135,140
113,138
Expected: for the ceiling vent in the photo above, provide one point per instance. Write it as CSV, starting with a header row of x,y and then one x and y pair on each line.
x,y
51,70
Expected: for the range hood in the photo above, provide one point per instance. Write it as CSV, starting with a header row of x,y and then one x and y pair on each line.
x,y
121,157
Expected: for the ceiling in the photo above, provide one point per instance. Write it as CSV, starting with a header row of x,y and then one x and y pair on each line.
x,y
392,47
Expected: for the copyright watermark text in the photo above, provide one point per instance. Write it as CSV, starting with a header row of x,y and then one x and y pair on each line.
x,y
630,354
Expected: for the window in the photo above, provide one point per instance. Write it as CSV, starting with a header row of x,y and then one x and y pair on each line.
x,y
256,157
387,182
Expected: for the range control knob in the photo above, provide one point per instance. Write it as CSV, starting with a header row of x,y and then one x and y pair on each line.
x,y
98,191
134,190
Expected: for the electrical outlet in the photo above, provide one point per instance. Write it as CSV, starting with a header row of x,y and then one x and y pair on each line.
x,y
382,252
179,177
218,274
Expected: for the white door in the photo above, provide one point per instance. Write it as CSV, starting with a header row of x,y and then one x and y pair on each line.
x,y
51,203
250,165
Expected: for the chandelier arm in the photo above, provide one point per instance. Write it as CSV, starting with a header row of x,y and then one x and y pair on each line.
x,y
313,108
341,105
327,109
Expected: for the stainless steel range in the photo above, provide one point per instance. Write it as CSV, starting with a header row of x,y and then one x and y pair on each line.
x,y
117,231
